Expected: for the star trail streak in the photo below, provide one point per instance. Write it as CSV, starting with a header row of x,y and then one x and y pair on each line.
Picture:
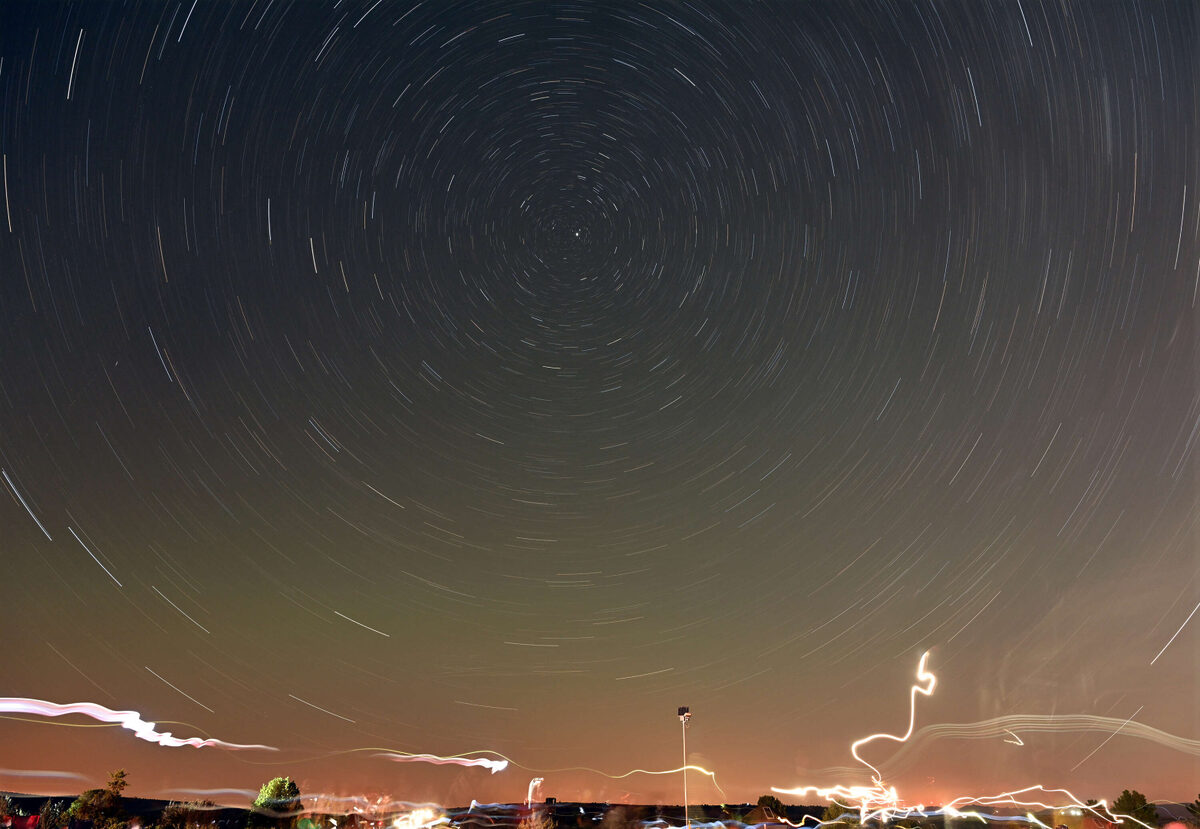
x,y
506,373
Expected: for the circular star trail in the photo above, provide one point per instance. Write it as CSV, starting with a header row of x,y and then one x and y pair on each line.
x,y
498,376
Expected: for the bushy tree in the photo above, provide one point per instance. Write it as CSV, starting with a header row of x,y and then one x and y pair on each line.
x,y
53,814
1134,804
770,801
277,801
102,807
1194,810
95,805
278,793
187,815
839,812
117,781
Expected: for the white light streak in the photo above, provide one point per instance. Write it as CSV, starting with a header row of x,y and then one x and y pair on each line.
x,y
361,625
24,504
130,720
93,555
319,708
1172,639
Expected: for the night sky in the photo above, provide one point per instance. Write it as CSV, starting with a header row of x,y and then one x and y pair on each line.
x,y
500,376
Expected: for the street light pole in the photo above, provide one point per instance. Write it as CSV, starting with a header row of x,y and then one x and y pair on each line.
x,y
685,714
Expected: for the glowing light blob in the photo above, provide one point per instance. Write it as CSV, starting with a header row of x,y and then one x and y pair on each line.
x,y
419,819
534,787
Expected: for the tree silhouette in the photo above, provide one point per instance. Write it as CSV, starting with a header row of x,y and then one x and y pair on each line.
x,y
117,781
100,807
770,801
53,814
1134,804
839,812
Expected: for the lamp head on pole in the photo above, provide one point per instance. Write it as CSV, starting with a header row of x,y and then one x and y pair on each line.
x,y
685,714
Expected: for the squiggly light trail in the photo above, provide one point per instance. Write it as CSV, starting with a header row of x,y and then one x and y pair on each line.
x,y
876,798
712,775
485,762
1014,724
381,807
130,720
882,802
144,730
930,682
